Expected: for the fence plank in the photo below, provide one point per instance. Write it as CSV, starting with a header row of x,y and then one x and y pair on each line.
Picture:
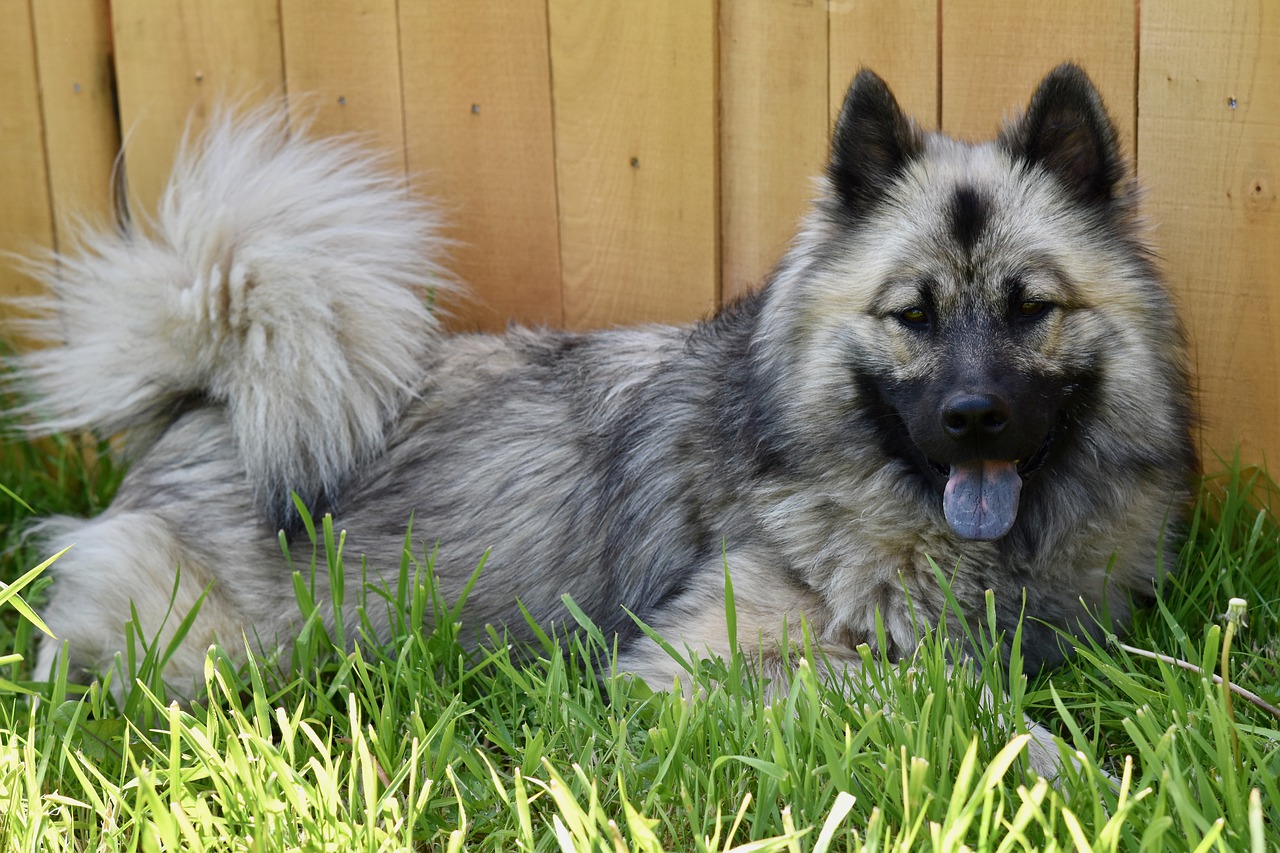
x,y
635,122
1209,147
175,60
995,51
899,41
773,129
25,218
477,85
345,54
82,135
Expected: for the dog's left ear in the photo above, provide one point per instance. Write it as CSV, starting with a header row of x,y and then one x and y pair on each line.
x,y
1067,131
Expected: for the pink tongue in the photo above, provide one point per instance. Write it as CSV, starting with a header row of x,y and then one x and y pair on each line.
x,y
981,498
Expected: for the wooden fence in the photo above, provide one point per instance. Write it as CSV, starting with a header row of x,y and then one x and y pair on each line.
x,y
614,161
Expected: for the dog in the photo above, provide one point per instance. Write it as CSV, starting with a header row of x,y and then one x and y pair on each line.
x,y
965,360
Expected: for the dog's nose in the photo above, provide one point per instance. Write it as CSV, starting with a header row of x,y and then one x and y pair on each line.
x,y
975,416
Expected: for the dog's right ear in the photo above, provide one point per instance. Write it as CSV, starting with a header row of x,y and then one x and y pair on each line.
x,y
873,142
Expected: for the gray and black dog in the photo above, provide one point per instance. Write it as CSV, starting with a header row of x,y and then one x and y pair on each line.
x,y
966,354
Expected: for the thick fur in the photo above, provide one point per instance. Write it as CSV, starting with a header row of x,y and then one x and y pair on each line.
x,y
965,356
249,290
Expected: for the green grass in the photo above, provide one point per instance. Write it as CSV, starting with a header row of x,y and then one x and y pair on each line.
x,y
417,745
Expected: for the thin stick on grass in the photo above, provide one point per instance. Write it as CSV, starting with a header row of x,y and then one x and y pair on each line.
x,y
1247,695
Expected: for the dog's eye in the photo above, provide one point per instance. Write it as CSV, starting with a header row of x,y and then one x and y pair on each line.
x,y
915,317
1031,309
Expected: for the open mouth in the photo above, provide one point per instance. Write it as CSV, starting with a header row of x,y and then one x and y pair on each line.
x,y
981,497
1025,467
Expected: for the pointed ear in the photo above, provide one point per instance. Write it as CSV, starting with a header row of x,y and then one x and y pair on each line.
x,y
873,142
1067,132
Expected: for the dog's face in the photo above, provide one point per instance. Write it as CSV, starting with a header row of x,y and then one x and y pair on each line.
x,y
980,341
967,294
974,375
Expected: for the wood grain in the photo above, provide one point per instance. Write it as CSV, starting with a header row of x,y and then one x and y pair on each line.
x,y
477,87
175,61
342,68
899,41
994,52
77,102
635,122
26,220
773,130
1209,152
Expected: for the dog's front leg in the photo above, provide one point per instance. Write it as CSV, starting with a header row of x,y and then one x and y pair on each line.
x,y
770,630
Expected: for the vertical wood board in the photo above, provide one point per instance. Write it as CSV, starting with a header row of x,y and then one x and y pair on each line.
x,y
26,220
994,52
635,122
773,130
898,41
477,92
342,69
1209,150
82,135
178,59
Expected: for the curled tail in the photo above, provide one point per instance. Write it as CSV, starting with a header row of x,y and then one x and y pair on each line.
x,y
283,277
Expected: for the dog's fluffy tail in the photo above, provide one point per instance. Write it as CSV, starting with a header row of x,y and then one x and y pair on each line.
x,y
284,277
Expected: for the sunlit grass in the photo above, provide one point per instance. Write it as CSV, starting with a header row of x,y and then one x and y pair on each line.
x,y
416,744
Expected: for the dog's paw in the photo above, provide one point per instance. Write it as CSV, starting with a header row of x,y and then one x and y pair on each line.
x,y
1045,757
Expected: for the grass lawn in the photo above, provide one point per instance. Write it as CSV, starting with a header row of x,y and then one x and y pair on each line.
x,y
416,745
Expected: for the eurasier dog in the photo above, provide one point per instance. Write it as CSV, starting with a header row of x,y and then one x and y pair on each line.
x,y
966,355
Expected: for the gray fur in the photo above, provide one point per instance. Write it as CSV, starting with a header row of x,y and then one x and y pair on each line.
x,y
803,434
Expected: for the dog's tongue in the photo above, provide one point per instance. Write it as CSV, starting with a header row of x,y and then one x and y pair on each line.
x,y
981,498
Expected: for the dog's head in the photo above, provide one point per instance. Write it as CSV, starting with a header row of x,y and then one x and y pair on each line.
x,y
966,303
